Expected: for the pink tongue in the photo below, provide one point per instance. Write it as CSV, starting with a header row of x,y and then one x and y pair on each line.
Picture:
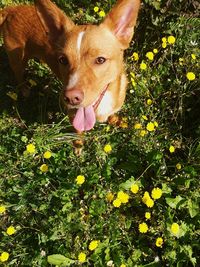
x,y
84,119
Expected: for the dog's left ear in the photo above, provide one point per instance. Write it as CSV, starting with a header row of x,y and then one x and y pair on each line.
x,y
122,19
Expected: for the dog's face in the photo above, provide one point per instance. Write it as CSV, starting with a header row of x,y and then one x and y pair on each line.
x,y
90,60
90,57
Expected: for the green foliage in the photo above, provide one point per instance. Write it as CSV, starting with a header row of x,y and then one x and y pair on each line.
x,y
55,218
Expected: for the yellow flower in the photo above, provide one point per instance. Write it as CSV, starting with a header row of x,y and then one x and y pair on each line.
x,y
149,102
155,123
132,74
124,125
135,56
150,126
145,117
2,209
123,197
4,256
155,51
109,197
134,188
10,230
147,215
143,66
44,168
96,9
145,197
178,166
164,39
171,39
93,245
159,242
47,155
190,76
117,203
82,257
171,149
143,133
193,56
137,126
156,193
164,45
175,228
150,55
133,82
123,265
102,14
107,148
30,148
80,179
149,203
143,227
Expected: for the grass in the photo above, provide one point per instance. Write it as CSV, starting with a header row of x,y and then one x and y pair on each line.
x,y
55,215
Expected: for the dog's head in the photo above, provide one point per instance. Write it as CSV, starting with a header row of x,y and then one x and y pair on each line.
x,y
90,57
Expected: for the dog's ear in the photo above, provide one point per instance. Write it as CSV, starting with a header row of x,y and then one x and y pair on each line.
x,y
122,19
54,21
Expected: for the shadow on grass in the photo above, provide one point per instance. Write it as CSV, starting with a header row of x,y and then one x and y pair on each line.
x,y
41,106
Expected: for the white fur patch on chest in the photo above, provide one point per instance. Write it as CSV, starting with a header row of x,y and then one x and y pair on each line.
x,y
106,105
79,41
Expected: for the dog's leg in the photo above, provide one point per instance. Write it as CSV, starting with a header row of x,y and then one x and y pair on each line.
x,y
18,63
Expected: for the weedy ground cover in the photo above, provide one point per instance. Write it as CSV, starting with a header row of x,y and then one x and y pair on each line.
x,y
132,197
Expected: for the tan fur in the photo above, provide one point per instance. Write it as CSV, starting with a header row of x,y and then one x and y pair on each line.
x,y
45,32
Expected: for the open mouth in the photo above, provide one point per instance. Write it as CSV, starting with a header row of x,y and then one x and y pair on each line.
x,y
85,117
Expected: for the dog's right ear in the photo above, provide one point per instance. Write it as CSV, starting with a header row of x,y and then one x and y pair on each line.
x,y
54,21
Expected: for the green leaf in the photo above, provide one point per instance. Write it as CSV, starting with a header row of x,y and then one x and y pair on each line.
x,y
193,208
127,185
58,259
173,202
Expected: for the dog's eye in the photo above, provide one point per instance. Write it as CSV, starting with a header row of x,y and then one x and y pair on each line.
x,y
63,60
100,60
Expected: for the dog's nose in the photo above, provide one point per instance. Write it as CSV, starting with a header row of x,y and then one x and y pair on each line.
x,y
74,96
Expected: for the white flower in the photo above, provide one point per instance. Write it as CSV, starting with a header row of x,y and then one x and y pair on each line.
x,y
110,264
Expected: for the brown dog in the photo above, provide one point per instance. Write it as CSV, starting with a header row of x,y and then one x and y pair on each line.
x,y
88,59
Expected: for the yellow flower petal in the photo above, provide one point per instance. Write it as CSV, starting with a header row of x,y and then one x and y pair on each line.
x,y
47,155
82,257
171,39
4,256
30,148
117,203
93,245
10,230
190,76
171,149
107,148
143,227
143,66
156,193
80,179
150,55
150,127
2,209
134,188
175,228
44,168
159,242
